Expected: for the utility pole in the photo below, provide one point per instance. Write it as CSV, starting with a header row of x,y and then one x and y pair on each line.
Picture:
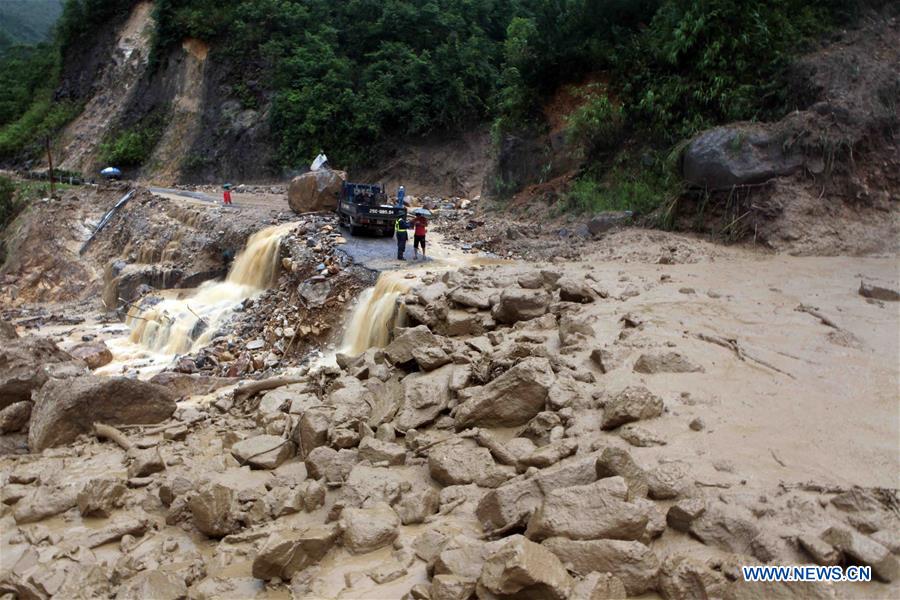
x,y
50,163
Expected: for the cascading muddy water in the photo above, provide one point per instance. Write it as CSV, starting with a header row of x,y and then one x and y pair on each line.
x,y
176,326
376,313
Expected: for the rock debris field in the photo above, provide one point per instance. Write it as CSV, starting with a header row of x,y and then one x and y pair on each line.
x,y
584,429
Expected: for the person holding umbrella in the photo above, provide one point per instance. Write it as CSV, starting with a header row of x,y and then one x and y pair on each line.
x,y
420,225
226,195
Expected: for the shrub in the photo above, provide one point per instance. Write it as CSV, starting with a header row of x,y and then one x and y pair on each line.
x,y
132,147
10,203
597,125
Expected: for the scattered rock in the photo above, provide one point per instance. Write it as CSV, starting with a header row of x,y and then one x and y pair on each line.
x,y
632,562
417,505
95,354
367,529
573,290
522,569
640,437
155,584
145,462
599,586
667,481
460,463
15,417
615,461
878,292
683,513
451,587
22,362
64,409
509,400
285,553
860,549
517,304
634,403
263,451
400,350
666,362
376,451
686,577
214,510
697,424
43,502
727,528
100,496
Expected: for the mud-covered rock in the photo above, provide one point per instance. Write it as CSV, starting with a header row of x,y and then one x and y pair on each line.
x,y
878,292
64,409
684,577
155,584
417,505
451,587
460,463
431,358
45,501
214,510
615,461
587,512
634,403
332,465
100,496
22,362
728,528
860,549
375,451
599,586
665,362
367,529
423,397
285,553
522,569
819,550
509,400
668,480
516,304
575,290
15,417
684,512
631,561
145,462
316,190
94,354
400,350
263,451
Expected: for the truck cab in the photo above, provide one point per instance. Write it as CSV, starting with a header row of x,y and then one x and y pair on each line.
x,y
365,207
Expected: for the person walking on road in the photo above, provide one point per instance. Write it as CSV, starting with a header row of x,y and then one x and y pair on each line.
x,y
420,223
226,195
401,196
400,227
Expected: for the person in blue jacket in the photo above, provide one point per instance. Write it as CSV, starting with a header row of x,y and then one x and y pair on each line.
x,y
401,196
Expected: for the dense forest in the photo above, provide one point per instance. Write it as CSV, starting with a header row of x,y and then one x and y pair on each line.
x,y
347,75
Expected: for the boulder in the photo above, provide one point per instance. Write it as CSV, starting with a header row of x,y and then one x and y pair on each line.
x,y
666,362
375,451
316,191
191,384
366,485
511,399
332,465
632,562
667,481
43,502
430,358
461,463
640,437
587,512
634,403
860,549
451,587
155,584
728,156
263,451
686,577
400,350
214,509
573,329
522,569
599,586
22,362
367,529
417,505
472,297
15,417
604,221
878,292
684,512
819,550
575,290
64,409
615,461
517,304
100,496
424,397
550,454
285,553
95,354
311,430
728,528
145,462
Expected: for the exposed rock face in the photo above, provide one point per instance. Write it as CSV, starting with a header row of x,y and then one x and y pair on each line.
x,y
22,362
721,158
666,362
64,409
522,569
509,400
15,416
316,191
95,354
631,561
367,529
634,403
520,305
285,553
263,451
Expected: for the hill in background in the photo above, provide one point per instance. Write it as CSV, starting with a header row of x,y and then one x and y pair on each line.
x,y
27,21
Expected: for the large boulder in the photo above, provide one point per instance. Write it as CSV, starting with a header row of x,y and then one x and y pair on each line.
x,y
95,354
263,451
511,399
287,552
400,350
632,562
517,304
22,366
724,157
522,569
367,529
316,191
64,409
424,397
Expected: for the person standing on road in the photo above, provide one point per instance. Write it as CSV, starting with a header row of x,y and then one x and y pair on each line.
x,y
400,227
226,195
420,224
401,196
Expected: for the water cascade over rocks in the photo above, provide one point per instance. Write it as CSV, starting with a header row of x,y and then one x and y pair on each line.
x,y
375,314
176,326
